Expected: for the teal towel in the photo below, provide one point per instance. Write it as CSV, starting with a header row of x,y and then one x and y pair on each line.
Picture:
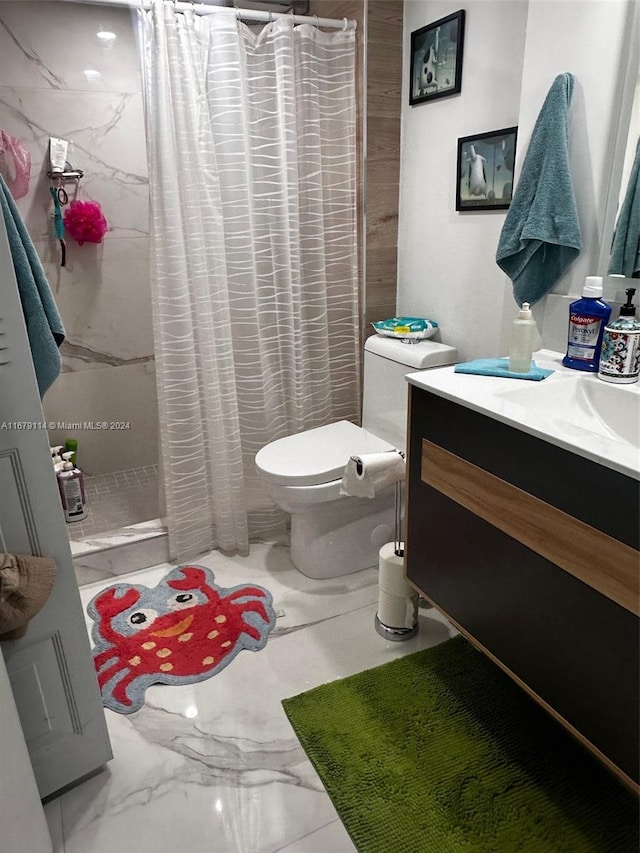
x,y
44,326
541,234
500,367
625,250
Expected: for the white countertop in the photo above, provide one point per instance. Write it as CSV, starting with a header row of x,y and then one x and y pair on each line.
x,y
571,409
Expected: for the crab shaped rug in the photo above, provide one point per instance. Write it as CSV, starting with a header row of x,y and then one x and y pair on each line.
x,y
181,631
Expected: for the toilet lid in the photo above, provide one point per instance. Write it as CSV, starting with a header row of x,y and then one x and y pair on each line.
x,y
317,455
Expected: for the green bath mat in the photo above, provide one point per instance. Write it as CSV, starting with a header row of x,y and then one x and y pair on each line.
x,y
440,752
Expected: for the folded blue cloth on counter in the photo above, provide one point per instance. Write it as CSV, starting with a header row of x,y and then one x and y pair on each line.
x,y
500,367
541,234
44,326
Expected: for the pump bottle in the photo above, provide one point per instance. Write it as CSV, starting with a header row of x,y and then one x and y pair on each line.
x,y
72,492
620,356
522,338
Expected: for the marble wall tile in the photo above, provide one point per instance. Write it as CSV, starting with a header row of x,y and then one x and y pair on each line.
x,y
104,299
57,78
50,45
112,394
107,136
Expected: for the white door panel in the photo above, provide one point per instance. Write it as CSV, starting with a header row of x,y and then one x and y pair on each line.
x,y
22,821
50,669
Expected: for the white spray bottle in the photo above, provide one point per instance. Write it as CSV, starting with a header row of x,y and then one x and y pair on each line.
x,y
72,493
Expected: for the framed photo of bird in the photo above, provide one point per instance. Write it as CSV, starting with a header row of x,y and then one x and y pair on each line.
x,y
436,59
485,170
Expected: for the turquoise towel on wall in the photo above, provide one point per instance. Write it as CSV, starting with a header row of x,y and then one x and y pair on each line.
x,y
500,367
541,234
44,326
625,250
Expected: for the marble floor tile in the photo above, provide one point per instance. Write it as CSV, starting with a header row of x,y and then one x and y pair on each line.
x,y
331,837
215,767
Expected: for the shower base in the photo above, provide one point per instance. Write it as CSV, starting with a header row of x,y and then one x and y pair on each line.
x,y
123,531
118,500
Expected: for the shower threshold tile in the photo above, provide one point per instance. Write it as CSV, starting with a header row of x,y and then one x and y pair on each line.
x,y
118,536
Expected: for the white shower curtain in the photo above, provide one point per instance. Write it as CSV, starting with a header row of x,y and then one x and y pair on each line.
x,y
251,144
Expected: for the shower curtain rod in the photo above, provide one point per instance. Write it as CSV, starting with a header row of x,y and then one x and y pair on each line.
x,y
201,8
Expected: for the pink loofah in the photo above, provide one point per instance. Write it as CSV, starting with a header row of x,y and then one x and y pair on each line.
x,y
85,222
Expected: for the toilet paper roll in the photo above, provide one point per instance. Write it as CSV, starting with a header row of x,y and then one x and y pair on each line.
x,y
368,474
397,600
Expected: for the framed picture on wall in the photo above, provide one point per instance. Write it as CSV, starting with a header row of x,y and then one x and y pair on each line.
x,y
485,170
436,59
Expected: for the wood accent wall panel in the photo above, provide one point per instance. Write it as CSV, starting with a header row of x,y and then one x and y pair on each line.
x,y
384,100
606,565
379,105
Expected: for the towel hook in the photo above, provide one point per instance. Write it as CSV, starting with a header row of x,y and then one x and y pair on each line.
x,y
345,24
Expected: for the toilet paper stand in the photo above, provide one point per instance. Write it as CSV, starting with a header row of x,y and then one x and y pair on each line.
x,y
397,616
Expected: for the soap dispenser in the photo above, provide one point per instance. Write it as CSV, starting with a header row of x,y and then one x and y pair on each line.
x,y
620,355
522,338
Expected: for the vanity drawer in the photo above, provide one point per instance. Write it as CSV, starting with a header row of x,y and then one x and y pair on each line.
x,y
506,536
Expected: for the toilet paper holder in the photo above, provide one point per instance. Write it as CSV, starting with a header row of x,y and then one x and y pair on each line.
x,y
397,616
398,549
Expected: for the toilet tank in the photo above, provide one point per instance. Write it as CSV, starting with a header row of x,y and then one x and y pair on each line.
x,y
385,393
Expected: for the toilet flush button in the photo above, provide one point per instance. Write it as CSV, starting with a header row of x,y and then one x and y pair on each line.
x,y
380,535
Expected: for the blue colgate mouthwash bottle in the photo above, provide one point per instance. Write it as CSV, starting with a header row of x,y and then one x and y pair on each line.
x,y
587,318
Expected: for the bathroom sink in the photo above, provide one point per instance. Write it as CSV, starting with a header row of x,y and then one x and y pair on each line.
x,y
583,401
575,410
617,406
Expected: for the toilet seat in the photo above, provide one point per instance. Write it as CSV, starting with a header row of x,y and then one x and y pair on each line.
x,y
316,456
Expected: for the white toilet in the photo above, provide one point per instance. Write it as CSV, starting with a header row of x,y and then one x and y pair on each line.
x,y
332,534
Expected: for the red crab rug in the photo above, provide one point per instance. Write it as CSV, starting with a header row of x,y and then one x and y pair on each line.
x,y
181,631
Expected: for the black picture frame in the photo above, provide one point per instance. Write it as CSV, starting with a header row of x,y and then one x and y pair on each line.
x,y
484,177
436,59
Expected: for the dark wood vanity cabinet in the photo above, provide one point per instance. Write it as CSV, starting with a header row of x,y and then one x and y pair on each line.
x,y
532,552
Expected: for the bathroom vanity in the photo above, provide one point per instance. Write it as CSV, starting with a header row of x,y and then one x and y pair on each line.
x,y
523,529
